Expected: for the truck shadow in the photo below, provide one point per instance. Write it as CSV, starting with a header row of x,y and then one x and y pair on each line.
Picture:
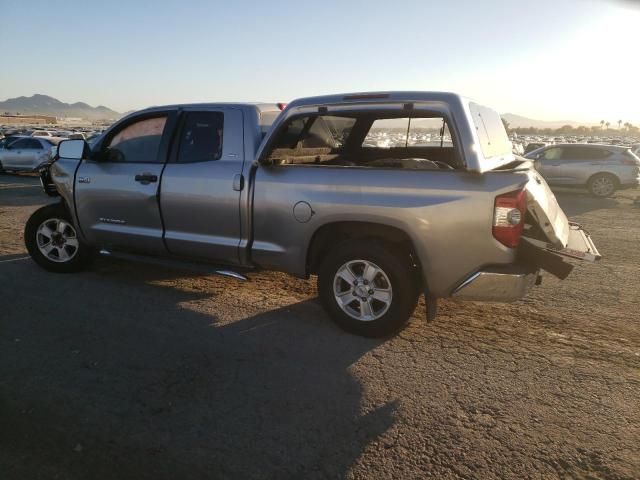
x,y
22,191
102,377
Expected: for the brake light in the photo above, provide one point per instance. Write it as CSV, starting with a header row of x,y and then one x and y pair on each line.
x,y
366,96
630,158
508,217
282,106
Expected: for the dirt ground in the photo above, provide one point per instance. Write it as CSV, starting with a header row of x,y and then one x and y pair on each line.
x,y
128,371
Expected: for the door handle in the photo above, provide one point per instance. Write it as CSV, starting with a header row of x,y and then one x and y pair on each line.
x,y
146,178
238,182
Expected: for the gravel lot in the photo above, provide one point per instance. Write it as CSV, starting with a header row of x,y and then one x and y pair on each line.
x,y
127,371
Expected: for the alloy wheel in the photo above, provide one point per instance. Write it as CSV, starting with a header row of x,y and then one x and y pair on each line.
x,y
362,290
602,186
57,240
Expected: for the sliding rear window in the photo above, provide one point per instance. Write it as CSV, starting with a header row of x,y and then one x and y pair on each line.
x,y
408,132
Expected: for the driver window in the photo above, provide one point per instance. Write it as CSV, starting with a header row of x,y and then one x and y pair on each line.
x,y
552,154
138,142
20,144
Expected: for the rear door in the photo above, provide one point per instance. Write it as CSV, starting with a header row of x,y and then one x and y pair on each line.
x,y
117,192
576,164
201,185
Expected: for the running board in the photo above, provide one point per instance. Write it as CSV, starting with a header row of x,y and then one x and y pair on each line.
x,y
205,268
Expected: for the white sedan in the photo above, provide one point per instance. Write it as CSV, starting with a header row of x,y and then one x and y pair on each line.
x,y
27,154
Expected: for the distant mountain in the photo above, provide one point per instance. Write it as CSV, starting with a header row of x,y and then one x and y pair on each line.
x,y
517,121
46,105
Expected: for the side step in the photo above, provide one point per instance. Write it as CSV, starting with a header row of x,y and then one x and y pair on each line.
x,y
204,268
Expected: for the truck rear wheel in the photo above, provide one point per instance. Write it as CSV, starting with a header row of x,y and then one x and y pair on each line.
x,y
367,288
52,241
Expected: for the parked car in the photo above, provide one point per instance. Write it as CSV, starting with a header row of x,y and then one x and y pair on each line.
x,y
28,154
379,226
42,133
602,169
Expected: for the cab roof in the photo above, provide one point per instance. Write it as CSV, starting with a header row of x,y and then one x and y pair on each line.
x,y
260,106
380,97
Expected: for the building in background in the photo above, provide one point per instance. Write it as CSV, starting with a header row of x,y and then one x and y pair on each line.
x,y
8,119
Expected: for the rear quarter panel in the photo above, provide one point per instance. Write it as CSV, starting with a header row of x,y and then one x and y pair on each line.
x,y
448,215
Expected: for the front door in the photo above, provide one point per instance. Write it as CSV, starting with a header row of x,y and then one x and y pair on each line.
x,y
12,152
549,164
117,190
201,185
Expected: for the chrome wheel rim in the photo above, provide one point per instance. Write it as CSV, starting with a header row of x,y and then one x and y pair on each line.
x,y
57,240
602,186
362,290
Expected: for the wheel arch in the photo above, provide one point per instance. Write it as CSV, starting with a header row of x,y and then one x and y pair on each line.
x,y
331,234
605,172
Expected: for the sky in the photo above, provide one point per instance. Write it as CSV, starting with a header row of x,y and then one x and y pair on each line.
x,y
546,59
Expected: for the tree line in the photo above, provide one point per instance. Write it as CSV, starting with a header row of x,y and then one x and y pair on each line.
x,y
624,128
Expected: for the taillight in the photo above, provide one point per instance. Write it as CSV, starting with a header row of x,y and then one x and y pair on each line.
x,y
630,158
508,217
282,106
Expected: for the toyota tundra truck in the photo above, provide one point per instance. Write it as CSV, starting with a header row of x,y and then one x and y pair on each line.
x,y
384,196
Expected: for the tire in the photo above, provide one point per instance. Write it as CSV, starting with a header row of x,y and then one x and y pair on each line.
x,y
51,230
394,286
602,185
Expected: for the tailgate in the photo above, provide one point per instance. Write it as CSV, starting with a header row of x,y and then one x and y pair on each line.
x,y
543,206
540,254
579,245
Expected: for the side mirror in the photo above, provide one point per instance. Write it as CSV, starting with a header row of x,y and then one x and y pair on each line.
x,y
72,149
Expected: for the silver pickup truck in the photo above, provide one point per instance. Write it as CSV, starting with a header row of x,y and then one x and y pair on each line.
x,y
383,196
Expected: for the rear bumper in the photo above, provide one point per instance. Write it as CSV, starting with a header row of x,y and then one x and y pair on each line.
x,y
496,285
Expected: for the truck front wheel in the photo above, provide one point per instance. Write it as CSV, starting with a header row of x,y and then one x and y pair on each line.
x,y
52,241
367,287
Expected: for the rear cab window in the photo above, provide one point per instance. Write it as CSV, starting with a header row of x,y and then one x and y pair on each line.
x,y
405,132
